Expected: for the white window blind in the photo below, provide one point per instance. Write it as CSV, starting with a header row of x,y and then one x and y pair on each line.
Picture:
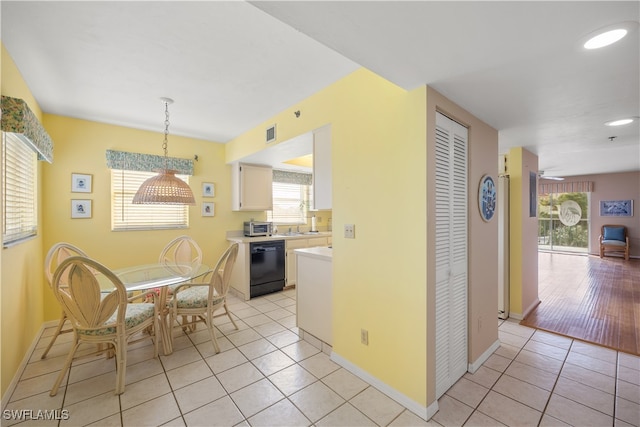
x,y
19,165
127,216
290,203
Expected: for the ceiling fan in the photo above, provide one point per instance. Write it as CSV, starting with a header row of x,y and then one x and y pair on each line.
x,y
553,178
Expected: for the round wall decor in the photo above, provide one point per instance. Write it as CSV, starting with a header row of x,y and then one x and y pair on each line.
x,y
569,212
487,197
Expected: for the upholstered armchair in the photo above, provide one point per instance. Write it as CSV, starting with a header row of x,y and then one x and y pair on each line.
x,y
614,238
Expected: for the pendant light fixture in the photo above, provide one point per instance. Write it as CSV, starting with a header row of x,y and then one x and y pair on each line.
x,y
165,188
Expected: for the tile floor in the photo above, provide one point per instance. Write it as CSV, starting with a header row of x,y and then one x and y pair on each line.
x,y
266,376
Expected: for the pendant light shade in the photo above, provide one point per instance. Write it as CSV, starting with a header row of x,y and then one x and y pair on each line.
x,y
165,188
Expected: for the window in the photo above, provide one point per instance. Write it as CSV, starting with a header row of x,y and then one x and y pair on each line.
x,y
290,203
19,165
127,216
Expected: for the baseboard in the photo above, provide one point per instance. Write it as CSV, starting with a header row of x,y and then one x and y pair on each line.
x,y
473,367
25,361
423,412
520,316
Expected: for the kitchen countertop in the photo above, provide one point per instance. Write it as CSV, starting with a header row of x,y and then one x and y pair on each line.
x,y
324,253
243,239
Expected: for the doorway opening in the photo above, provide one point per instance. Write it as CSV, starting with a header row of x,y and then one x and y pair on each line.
x,y
563,222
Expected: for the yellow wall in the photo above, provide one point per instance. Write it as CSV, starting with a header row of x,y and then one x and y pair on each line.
x,y
21,272
378,159
523,237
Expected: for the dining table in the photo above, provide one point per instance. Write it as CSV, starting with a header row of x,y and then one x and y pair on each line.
x,y
158,277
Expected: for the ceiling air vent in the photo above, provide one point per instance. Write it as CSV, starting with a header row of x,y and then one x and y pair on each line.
x,y
271,134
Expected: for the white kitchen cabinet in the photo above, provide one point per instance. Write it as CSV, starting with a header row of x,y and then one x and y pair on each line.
x,y
322,182
251,187
314,293
291,246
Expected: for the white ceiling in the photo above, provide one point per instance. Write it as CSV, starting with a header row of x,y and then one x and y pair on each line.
x,y
229,66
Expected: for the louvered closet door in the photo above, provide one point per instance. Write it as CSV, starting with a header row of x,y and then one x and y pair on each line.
x,y
451,252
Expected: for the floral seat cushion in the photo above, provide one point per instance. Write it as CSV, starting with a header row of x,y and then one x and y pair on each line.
x,y
136,314
194,297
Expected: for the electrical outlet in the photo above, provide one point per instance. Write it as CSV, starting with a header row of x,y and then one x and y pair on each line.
x,y
364,336
349,231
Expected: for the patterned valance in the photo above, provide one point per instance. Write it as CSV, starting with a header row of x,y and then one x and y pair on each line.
x,y
566,187
17,118
289,177
147,162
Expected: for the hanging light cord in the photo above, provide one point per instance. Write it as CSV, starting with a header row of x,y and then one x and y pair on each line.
x,y
166,134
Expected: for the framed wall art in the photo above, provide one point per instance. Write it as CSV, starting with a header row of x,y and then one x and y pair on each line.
x,y
81,183
208,189
487,197
208,209
80,208
616,207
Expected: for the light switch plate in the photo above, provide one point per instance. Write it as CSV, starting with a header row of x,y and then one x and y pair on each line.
x,y
349,231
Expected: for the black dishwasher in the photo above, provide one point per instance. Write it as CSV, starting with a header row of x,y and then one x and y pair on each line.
x,y
267,267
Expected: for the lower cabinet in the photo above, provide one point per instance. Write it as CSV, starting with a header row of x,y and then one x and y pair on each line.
x,y
291,263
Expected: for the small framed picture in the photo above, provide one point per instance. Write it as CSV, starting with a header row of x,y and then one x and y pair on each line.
x,y
616,207
81,183
208,190
208,209
80,208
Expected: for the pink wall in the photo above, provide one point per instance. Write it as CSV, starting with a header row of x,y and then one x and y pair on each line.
x,y
614,186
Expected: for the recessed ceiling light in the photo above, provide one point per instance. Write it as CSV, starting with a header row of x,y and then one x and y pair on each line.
x,y
620,122
608,35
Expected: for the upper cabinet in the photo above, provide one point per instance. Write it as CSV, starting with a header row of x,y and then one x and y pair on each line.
x,y
251,187
322,168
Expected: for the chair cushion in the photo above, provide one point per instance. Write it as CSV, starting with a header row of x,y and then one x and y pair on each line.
x,y
136,314
613,233
194,297
614,243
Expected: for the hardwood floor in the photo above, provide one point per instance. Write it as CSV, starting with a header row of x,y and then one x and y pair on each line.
x,y
588,298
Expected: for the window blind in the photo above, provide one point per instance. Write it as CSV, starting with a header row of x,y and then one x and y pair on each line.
x,y
290,203
19,166
127,216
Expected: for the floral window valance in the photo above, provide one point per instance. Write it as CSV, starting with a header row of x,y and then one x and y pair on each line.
x,y
18,119
290,177
566,187
147,162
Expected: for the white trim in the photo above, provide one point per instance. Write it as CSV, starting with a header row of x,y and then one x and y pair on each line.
x,y
24,363
421,411
473,367
518,316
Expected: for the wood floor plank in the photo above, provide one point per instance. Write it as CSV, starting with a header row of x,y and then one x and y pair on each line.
x,y
588,298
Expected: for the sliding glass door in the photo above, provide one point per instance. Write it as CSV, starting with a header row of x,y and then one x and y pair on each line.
x,y
563,222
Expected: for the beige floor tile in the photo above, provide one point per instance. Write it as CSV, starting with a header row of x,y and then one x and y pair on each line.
x,y
114,420
409,419
257,348
300,350
345,383
595,351
478,419
98,366
199,394
591,363
523,392
552,339
188,374
34,386
628,391
451,412
512,339
283,339
629,375
292,379
283,413
620,423
319,365
90,410
206,348
508,351
226,360
377,406
240,376
497,362
509,411
532,375
272,362
288,322
316,401
243,337
245,312
145,390
142,370
513,327
549,421
180,358
257,320
592,379
540,361
588,396
222,412
468,392
94,386
270,328
629,361
628,411
345,415
574,413
152,413
40,401
43,366
256,397
545,349
278,313
484,376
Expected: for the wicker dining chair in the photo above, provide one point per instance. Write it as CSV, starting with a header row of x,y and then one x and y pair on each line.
x,y
99,317
180,254
202,300
58,253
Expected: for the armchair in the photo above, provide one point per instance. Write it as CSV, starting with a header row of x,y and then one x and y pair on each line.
x,y
614,238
